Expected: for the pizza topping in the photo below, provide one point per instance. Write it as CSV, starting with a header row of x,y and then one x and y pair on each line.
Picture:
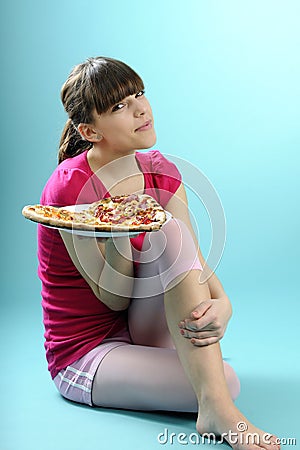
x,y
128,212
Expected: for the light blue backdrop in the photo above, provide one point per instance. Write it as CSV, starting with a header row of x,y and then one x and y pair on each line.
x,y
223,80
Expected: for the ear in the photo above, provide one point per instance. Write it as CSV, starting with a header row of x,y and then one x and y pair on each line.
x,y
89,133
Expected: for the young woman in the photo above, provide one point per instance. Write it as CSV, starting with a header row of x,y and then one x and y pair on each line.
x,y
129,322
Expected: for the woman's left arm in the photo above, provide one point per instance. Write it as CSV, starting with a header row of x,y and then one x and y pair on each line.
x,y
207,323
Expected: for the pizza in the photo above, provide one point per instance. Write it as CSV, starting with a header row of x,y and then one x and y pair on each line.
x,y
135,212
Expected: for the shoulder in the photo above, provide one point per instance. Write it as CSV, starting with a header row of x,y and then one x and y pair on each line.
x,y
163,173
64,185
158,163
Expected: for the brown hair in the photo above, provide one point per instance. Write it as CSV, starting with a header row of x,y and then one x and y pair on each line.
x,y
95,85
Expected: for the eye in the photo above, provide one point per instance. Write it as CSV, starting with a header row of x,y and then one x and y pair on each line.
x,y
140,94
118,107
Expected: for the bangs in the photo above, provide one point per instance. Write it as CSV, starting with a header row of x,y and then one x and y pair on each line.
x,y
112,81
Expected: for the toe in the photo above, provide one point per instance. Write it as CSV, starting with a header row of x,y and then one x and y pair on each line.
x,y
271,442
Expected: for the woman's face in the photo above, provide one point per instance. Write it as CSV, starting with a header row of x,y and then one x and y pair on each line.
x,y
127,126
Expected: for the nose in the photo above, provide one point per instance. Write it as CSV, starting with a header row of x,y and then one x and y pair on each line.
x,y
140,108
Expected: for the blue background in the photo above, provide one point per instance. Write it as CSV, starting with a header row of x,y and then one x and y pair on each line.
x,y
223,80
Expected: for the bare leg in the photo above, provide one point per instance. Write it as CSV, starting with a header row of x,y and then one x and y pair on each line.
x,y
143,378
138,377
146,314
147,323
204,367
147,378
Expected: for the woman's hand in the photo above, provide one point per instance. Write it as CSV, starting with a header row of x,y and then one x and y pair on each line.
x,y
207,323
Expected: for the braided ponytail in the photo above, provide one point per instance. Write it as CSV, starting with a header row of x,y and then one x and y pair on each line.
x,y
71,143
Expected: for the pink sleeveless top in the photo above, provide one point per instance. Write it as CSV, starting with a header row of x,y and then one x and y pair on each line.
x,y
75,320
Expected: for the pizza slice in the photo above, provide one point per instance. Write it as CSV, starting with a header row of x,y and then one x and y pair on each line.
x,y
135,212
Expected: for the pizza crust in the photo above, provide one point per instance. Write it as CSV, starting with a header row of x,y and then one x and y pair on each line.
x,y
131,210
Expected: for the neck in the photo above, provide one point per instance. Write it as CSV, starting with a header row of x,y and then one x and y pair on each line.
x,y
113,170
98,158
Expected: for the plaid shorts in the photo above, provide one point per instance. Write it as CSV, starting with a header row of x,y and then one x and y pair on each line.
x,y
75,382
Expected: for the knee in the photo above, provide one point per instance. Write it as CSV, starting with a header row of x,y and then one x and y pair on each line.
x,y
177,240
174,238
233,382
175,228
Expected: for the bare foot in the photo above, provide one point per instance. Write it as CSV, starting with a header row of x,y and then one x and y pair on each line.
x,y
229,424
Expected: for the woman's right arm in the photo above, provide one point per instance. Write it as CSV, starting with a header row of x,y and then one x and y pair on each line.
x,y
106,267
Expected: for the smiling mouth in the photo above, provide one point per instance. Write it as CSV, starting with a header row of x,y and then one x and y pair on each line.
x,y
146,126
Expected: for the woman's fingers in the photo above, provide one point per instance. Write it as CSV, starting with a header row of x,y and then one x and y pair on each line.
x,y
201,334
204,342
